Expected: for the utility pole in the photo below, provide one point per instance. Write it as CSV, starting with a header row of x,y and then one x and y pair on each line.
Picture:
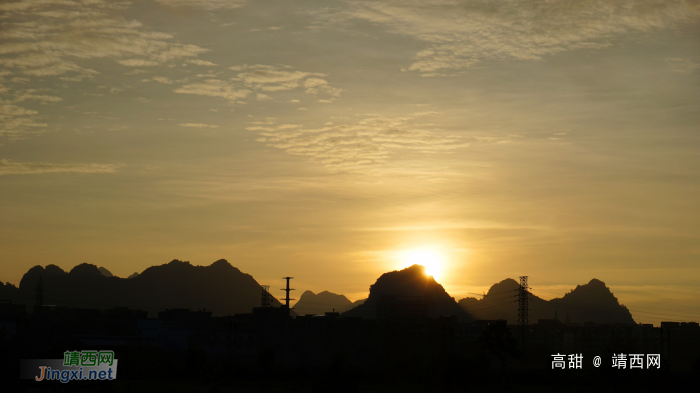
x,y
287,299
523,311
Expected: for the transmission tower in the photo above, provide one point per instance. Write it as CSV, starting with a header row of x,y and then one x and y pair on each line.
x,y
287,299
523,310
266,299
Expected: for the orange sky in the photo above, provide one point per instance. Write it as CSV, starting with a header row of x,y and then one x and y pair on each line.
x,y
327,142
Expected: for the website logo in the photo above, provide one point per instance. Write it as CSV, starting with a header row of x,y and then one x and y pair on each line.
x,y
76,365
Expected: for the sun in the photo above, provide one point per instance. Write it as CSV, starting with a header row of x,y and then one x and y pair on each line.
x,y
432,260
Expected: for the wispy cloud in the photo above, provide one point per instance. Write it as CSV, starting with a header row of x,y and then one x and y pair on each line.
x,y
272,28
9,167
352,147
209,5
138,63
316,85
271,78
162,79
63,38
198,125
229,90
461,34
17,122
200,62
260,79
31,94
682,66
51,37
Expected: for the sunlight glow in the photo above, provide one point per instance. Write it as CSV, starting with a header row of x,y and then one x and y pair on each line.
x,y
432,260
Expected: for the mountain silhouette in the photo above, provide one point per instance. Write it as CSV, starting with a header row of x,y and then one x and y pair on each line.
x,y
8,291
592,302
310,303
105,272
223,289
405,289
220,288
358,302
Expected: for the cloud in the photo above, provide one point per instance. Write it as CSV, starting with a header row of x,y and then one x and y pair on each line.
x,y
260,79
460,33
17,122
30,94
314,85
163,80
198,125
272,28
209,5
682,66
314,82
136,72
354,146
500,139
138,63
59,38
10,167
53,37
201,63
228,90
208,75
271,79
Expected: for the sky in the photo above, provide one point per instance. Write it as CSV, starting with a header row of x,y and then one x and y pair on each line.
x,y
335,140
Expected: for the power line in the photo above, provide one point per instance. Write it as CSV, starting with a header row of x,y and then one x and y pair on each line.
x,y
496,305
611,311
615,308
635,306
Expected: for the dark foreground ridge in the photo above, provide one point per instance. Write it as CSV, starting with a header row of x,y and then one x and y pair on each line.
x,y
322,302
220,288
592,302
225,290
408,292
409,336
